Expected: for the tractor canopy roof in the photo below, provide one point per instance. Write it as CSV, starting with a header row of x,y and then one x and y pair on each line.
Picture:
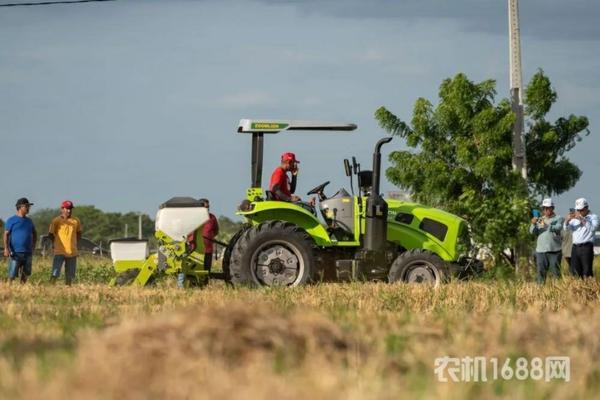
x,y
276,126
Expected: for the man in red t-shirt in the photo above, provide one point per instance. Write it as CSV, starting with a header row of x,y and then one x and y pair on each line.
x,y
209,231
280,185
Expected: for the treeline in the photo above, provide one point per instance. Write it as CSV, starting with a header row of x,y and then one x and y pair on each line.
x,y
100,227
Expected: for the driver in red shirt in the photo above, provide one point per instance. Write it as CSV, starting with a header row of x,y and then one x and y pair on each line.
x,y
282,188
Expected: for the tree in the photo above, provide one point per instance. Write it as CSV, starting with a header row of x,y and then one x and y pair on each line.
x,y
550,172
228,228
101,227
98,226
461,156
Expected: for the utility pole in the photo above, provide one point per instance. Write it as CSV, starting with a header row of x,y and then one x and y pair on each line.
x,y
140,226
519,160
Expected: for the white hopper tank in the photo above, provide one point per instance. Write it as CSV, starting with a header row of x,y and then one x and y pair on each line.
x,y
128,249
180,216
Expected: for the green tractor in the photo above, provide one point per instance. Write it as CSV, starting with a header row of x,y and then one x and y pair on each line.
x,y
362,237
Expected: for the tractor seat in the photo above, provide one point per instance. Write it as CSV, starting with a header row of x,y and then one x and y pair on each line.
x,y
271,197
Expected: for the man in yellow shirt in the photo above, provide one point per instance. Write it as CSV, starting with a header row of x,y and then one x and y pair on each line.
x,y
65,230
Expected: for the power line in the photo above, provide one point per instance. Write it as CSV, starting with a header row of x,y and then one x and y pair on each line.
x,y
46,3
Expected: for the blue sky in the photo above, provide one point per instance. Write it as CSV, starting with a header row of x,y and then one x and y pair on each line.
x,y
125,104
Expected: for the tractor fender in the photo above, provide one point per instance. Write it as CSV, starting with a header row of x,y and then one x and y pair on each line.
x,y
289,212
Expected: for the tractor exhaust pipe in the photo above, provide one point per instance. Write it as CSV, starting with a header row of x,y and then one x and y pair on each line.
x,y
377,209
377,165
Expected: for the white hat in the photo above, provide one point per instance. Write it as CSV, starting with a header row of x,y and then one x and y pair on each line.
x,y
547,202
581,203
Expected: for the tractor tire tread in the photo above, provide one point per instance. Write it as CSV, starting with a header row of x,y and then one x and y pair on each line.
x,y
240,273
226,263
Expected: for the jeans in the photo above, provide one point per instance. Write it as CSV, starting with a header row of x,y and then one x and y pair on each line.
x,y
180,280
547,261
70,267
16,261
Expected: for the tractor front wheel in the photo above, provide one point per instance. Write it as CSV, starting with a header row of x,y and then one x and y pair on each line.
x,y
418,266
274,253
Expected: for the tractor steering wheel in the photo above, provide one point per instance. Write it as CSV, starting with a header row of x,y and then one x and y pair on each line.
x,y
319,191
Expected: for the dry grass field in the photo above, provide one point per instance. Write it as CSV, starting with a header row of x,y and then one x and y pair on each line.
x,y
330,341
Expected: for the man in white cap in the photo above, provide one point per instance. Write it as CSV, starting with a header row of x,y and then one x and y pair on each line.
x,y
548,248
583,224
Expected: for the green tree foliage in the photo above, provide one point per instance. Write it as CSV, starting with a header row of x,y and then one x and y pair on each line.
x,y
227,228
460,155
98,226
550,171
101,227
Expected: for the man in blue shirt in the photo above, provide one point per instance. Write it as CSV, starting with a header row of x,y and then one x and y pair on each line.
x,y
19,239
583,224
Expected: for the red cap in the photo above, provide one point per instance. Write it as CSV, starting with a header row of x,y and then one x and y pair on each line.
x,y
66,204
289,157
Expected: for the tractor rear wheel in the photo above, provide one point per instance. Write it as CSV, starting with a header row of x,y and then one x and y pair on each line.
x,y
226,263
274,253
418,266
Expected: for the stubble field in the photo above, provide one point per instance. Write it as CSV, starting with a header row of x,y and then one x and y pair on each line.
x,y
329,341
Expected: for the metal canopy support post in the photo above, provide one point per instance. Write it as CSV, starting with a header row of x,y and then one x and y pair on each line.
x,y
257,158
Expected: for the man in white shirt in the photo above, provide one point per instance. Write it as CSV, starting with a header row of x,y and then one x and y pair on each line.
x,y
583,224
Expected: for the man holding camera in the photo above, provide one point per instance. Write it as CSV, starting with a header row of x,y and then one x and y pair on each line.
x,y
583,224
548,229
